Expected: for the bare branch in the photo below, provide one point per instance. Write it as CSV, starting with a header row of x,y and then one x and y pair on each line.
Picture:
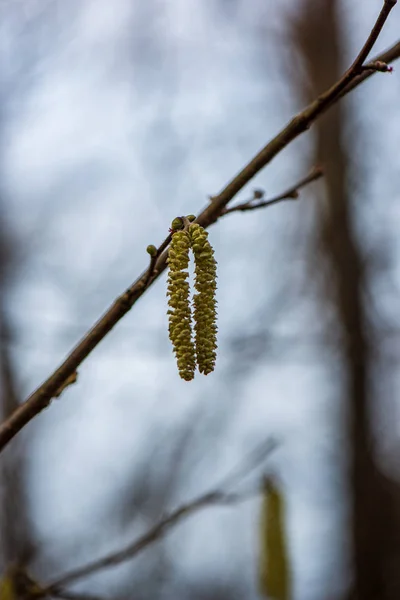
x,y
290,194
219,497
356,74
298,125
373,36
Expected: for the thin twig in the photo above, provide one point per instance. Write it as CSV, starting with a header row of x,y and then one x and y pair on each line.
x,y
219,497
290,194
41,398
254,459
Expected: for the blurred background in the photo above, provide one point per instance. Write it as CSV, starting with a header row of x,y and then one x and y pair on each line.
x,y
116,117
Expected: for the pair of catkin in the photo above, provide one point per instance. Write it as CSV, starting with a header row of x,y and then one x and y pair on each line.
x,y
202,349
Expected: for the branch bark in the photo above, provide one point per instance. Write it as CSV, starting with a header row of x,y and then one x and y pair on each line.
x,y
355,75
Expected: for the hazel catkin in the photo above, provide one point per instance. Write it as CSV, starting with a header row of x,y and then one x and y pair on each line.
x,y
179,312
204,302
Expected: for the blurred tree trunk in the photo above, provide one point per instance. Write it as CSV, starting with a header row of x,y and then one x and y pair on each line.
x,y
16,531
374,528
16,541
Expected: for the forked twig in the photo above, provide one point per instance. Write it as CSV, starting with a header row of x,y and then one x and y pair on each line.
x,y
290,194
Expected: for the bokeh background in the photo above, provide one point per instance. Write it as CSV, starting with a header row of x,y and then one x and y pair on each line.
x,y
117,116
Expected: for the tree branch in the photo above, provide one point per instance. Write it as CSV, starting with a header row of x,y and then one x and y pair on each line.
x,y
219,497
373,36
290,194
355,75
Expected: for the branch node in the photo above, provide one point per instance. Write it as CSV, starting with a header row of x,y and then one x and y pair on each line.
x,y
69,381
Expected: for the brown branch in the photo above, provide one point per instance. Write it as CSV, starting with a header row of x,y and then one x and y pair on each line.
x,y
41,398
218,497
298,125
373,36
290,194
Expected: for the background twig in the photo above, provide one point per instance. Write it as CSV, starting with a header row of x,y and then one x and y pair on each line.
x,y
220,496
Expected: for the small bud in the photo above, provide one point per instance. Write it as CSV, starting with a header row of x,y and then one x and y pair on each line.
x,y
152,250
382,66
177,224
191,218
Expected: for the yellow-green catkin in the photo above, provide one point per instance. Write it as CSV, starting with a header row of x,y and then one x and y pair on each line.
x,y
7,588
179,312
274,561
204,302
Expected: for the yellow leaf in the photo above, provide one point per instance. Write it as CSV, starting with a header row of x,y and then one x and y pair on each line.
x,y
274,561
